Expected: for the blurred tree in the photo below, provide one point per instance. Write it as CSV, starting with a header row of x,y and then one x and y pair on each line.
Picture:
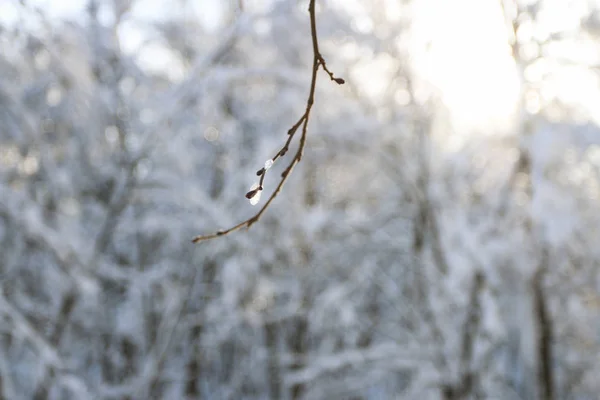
x,y
394,264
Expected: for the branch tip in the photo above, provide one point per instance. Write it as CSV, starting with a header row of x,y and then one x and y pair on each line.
x,y
254,193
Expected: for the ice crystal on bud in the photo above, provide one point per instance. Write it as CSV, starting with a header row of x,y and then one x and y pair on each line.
x,y
268,164
254,201
254,194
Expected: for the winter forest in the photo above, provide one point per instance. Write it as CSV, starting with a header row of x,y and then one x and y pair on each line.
x,y
439,239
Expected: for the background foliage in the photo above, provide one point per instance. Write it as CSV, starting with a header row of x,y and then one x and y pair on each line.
x,y
411,255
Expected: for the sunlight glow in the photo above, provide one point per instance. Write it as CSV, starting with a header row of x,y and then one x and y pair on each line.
x,y
461,48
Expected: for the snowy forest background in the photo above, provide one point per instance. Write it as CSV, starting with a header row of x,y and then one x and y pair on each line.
x,y
420,250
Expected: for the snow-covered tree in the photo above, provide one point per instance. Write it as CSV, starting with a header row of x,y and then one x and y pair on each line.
x,y
411,254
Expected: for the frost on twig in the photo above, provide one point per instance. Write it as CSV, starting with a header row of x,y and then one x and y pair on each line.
x,y
254,194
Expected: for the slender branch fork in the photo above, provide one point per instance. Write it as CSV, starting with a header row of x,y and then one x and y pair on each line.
x,y
318,62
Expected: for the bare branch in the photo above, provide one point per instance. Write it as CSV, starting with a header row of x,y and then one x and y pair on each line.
x,y
545,333
318,61
465,385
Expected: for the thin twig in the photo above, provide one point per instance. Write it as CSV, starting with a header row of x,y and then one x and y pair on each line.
x,y
318,61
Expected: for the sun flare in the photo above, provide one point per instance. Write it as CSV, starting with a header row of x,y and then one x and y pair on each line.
x,y
461,49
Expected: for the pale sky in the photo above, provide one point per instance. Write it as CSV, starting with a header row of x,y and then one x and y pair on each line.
x,y
462,48
459,46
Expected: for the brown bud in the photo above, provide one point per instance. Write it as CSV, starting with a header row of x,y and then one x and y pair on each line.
x,y
260,172
339,81
251,193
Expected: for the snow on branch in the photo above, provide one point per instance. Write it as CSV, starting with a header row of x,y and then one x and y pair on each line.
x,y
302,124
390,353
48,355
